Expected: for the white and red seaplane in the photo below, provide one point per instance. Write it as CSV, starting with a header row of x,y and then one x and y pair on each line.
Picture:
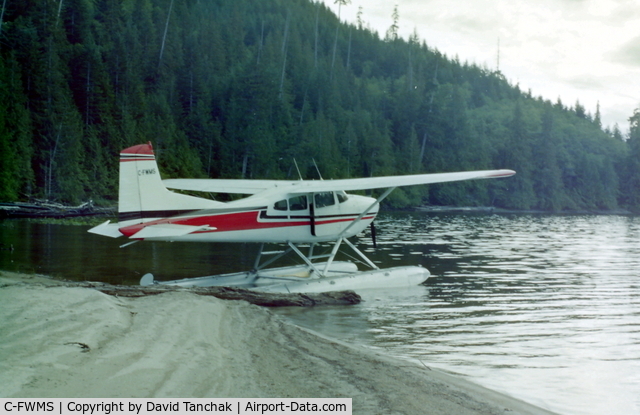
x,y
300,214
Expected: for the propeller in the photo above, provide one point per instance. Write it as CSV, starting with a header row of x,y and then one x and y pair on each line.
x,y
373,235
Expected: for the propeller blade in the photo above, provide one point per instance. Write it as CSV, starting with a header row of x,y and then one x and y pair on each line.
x,y
373,235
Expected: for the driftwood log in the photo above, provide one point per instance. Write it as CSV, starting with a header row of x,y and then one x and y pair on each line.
x,y
230,293
44,209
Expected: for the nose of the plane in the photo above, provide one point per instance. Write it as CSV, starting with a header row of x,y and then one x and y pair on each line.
x,y
365,205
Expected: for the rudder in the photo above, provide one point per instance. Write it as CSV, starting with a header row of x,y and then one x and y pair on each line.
x,y
142,195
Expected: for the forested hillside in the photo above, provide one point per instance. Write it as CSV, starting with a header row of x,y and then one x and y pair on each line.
x,y
241,88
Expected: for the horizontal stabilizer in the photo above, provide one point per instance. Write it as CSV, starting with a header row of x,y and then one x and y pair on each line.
x,y
167,230
107,229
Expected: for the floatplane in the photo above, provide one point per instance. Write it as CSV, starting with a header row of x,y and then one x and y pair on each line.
x,y
298,214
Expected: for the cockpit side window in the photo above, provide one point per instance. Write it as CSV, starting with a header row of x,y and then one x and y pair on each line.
x,y
280,205
324,199
298,203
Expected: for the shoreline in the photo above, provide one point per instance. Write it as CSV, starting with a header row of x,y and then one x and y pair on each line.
x,y
96,215
58,341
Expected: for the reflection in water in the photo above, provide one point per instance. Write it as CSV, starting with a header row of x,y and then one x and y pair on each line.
x,y
545,308
70,252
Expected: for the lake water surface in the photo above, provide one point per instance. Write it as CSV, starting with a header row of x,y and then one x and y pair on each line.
x,y
545,308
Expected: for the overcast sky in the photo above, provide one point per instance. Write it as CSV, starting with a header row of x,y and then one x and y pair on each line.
x,y
587,50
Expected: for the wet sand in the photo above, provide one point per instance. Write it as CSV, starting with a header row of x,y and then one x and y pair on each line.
x,y
62,342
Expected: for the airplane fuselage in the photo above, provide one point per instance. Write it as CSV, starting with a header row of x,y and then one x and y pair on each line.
x,y
299,218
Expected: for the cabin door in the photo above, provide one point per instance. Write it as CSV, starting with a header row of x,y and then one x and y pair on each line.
x,y
325,214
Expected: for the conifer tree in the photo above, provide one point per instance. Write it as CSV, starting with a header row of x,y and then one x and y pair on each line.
x,y
632,185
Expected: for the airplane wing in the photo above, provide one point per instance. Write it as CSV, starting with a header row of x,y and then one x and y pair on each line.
x,y
239,186
311,186
394,181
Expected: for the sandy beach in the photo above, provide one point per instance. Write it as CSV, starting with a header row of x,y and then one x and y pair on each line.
x,y
60,341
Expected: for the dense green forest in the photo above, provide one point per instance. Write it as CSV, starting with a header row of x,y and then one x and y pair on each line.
x,y
241,88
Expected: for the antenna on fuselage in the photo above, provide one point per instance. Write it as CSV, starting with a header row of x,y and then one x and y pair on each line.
x,y
296,163
317,169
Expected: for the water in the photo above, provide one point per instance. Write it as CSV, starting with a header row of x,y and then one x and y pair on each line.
x,y
70,252
542,307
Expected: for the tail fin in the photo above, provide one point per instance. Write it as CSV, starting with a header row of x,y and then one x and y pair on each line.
x,y
142,194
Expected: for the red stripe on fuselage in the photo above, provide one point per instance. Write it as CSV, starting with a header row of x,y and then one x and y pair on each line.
x,y
238,221
125,160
